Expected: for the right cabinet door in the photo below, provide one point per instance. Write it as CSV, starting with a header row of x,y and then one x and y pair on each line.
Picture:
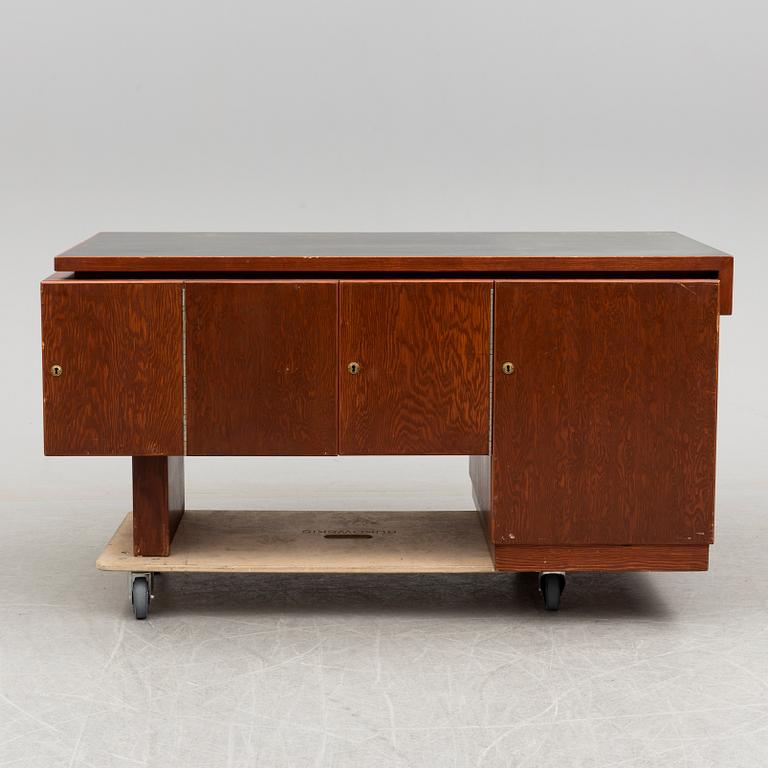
x,y
604,430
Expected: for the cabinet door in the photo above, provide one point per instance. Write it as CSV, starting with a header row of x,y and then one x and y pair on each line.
x,y
423,355
118,348
605,431
261,367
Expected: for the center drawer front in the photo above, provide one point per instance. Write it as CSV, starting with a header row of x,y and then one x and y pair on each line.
x,y
261,367
422,381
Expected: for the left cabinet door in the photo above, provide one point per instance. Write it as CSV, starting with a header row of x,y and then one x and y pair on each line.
x,y
261,367
112,368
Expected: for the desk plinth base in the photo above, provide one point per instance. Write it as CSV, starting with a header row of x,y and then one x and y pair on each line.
x,y
367,542
371,542
617,558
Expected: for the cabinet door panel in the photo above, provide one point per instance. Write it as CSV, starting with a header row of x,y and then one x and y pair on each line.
x,y
261,367
119,346
605,432
423,349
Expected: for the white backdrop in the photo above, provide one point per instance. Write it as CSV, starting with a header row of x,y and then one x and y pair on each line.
x,y
342,115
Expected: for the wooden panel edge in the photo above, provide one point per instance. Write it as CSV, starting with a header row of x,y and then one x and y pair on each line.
x,y
480,477
620,558
176,506
726,285
392,263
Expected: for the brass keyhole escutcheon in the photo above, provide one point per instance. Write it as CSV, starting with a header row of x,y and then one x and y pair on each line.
x,y
354,367
508,368
56,370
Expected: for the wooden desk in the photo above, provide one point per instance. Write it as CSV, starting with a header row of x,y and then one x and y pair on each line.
x,y
578,371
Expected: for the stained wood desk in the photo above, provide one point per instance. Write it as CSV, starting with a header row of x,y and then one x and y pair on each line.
x,y
578,371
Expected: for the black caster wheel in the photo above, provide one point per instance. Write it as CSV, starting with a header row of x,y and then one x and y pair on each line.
x,y
552,586
140,596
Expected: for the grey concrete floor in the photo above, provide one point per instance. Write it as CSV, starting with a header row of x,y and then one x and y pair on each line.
x,y
636,669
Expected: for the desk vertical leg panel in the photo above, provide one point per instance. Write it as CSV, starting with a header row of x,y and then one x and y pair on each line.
x,y
158,503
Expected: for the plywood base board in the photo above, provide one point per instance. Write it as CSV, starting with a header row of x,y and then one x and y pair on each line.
x,y
320,542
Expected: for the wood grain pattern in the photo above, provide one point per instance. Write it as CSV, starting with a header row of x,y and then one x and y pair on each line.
x,y
423,348
120,348
574,559
261,368
605,434
400,252
158,503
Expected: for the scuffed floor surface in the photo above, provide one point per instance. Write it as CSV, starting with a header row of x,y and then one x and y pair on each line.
x,y
289,671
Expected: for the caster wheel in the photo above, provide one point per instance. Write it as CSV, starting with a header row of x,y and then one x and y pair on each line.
x,y
552,586
140,597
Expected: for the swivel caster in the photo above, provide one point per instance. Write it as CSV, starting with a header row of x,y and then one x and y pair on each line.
x,y
141,593
551,585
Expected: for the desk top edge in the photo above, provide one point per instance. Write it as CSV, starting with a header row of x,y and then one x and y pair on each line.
x,y
349,253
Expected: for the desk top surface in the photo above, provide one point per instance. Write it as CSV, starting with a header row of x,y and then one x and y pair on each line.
x,y
120,246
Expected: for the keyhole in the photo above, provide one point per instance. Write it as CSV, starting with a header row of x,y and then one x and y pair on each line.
x,y
56,370
354,368
508,368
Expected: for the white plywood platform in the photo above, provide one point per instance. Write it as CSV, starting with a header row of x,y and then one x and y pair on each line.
x,y
312,542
